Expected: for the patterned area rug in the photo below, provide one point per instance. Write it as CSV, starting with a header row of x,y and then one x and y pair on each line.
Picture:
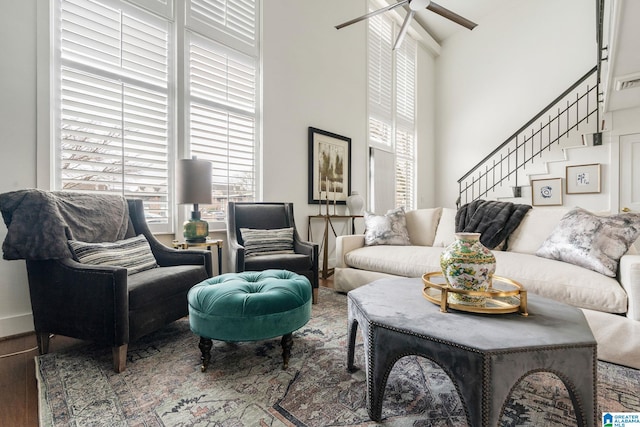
x,y
246,386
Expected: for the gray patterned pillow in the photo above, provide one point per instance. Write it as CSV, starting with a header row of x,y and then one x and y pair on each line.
x,y
591,241
133,254
267,242
390,229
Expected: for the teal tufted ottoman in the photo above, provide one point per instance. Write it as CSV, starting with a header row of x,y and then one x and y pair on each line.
x,y
249,306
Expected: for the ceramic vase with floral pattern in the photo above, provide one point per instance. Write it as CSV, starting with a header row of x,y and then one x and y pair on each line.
x,y
468,265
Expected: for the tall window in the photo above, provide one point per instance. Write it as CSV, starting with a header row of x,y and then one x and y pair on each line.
x,y
113,104
391,106
120,88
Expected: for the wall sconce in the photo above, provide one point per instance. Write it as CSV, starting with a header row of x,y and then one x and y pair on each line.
x,y
193,185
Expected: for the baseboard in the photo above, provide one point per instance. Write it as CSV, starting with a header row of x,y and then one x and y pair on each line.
x,y
16,325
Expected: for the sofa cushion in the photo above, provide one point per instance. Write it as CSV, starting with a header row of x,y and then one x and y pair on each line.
x,y
151,287
446,231
408,261
134,254
534,228
422,224
563,282
390,229
591,241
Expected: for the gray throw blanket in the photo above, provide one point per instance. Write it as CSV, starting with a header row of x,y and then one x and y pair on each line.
x,y
39,223
493,219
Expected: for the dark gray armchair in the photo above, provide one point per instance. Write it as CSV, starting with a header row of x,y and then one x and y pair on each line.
x,y
103,304
266,216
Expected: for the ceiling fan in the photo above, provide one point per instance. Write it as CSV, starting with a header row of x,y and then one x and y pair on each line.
x,y
414,6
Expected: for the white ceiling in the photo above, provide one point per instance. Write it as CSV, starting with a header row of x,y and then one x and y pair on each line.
x,y
441,28
622,36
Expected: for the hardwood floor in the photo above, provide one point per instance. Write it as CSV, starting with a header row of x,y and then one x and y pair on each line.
x,y
18,386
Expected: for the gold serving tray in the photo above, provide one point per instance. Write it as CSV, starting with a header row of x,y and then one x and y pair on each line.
x,y
498,301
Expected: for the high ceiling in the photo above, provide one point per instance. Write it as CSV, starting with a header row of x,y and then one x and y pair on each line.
x,y
441,28
622,36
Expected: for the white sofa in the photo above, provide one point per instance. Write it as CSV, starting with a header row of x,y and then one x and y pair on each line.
x,y
611,305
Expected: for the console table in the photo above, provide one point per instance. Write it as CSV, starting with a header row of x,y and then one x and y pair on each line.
x,y
326,271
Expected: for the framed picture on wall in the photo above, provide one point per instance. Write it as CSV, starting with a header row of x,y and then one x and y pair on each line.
x,y
583,179
329,167
546,192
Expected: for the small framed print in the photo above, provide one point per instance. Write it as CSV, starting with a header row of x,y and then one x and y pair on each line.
x,y
583,179
546,192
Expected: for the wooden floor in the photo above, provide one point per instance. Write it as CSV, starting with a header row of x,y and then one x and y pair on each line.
x,y
18,387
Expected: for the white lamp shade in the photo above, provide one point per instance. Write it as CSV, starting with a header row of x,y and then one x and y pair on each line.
x,y
193,181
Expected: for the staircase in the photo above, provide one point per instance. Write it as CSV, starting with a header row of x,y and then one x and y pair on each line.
x,y
571,120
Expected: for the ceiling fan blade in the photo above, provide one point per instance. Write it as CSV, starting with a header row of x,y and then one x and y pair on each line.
x,y
452,16
370,14
404,29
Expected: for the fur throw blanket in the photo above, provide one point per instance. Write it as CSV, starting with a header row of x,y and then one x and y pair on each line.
x,y
493,219
39,223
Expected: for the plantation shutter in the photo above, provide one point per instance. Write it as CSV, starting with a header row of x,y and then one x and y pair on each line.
x,y
113,115
405,146
222,124
222,93
232,22
391,108
380,81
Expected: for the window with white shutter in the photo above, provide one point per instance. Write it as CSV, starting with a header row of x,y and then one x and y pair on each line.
x,y
115,93
222,120
113,117
391,105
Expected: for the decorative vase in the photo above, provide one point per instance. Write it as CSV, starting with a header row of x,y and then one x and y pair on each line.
x,y
355,203
467,265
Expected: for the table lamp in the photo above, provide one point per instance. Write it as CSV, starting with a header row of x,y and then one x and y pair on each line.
x,y
193,179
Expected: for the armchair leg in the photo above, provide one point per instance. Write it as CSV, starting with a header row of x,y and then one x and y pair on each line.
x,y
119,358
315,296
43,342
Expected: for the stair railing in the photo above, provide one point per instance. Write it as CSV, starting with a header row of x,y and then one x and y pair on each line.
x,y
572,109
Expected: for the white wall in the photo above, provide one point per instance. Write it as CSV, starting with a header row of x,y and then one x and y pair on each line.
x,y
492,80
314,75
17,144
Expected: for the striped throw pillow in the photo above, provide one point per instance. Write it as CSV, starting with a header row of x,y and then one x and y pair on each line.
x,y
263,242
134,254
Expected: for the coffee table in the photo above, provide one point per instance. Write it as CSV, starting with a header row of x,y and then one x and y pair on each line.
x,y
485,355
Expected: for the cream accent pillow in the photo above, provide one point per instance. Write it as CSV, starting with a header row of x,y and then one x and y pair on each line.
x,y
446,231
390,229
422,224
592,241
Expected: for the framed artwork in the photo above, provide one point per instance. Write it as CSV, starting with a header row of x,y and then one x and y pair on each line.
x,y
583,179
329,167
546,192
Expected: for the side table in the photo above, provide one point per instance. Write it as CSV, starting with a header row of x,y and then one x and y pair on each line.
x,y
206,244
